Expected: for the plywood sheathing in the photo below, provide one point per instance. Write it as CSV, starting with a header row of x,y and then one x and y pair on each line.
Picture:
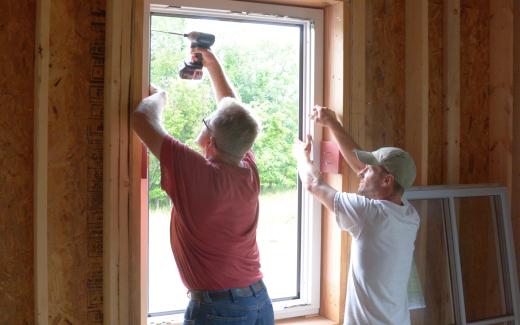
x,y
436,172
482,290
17,36
75,233
474,91
501,100
515,161
385,81
501,91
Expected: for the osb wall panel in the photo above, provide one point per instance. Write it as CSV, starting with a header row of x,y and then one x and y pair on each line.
x,y
480,282
515,161
385,73
75,234
501,101
474,91
17,36
501,91
435,93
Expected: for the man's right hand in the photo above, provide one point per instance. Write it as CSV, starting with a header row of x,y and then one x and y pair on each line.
x,y
327,118
208,58
324,116
221,85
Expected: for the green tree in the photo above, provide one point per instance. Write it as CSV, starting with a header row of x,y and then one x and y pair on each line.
x,y
266,77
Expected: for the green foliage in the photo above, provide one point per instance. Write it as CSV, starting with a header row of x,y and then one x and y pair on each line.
x,y
268,84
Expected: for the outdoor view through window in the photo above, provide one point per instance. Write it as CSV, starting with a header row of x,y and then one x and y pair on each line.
x,y
263,63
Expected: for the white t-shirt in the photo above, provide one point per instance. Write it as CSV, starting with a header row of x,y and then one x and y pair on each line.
x,y
381,257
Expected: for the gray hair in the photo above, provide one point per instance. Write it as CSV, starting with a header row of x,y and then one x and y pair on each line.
x,y
235,127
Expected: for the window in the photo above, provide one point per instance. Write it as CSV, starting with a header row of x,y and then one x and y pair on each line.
x,y
464,257
273,61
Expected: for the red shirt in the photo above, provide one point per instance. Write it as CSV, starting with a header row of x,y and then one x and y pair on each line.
x,y
214,217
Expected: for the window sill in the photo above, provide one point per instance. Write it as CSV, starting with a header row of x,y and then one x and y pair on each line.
x,y
307,320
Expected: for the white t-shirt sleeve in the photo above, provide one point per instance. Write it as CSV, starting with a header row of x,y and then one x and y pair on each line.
x,y
352,211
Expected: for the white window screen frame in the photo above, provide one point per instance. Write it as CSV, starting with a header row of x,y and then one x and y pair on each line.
x,y
501,215
310,246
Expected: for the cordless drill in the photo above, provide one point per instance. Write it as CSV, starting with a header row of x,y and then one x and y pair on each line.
x,y
193,69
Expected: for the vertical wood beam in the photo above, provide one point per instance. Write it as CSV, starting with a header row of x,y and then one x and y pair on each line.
x,y
417,86
124,164
110,167
357,65
115,164
355,102
333,257
41,88
138,224
452,90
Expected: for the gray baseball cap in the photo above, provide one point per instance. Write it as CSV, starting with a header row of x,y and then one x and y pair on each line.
x,y
396,161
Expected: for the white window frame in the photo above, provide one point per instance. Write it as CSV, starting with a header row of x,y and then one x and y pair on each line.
x,y
498,196
310,254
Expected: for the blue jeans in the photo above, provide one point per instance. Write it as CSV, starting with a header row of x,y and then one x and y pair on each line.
x,y
237,310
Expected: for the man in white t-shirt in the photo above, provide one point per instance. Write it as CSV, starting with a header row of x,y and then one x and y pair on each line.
x,y
383,225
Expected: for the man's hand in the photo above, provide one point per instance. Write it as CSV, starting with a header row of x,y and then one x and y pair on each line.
x,y
311,176
153,89
309,173
209,60
221,85
147,120
324,116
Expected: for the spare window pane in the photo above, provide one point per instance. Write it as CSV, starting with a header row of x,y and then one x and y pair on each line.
x,y
480,258
429,292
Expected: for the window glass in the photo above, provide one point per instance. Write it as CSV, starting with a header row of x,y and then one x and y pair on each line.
x,y
263,63
429,290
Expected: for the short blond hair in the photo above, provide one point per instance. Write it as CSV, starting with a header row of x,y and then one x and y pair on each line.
x,y
235,127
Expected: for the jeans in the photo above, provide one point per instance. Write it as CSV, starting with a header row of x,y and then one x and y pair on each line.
x,y
253,310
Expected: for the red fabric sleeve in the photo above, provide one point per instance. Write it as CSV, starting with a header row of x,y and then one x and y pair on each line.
x,y
181,168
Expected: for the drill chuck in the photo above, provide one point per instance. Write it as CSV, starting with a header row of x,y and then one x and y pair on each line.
x,y
202,40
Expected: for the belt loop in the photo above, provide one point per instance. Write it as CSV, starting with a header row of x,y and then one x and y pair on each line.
x,y
232,293
251,287
206,297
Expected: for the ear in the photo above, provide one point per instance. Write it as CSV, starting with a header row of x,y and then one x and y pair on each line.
x,y
388,180
212,141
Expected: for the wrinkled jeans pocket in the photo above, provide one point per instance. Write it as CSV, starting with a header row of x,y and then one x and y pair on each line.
x,y
191,312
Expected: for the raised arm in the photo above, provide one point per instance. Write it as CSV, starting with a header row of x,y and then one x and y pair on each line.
x,y
327,118
311,176
147,120
220,83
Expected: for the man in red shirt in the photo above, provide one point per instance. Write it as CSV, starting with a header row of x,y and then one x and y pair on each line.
x,y
215,205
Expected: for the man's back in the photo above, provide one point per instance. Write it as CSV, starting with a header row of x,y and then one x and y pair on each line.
x,y
381,255
213,227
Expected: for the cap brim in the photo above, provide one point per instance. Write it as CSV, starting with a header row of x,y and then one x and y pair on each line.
x,y
366,157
